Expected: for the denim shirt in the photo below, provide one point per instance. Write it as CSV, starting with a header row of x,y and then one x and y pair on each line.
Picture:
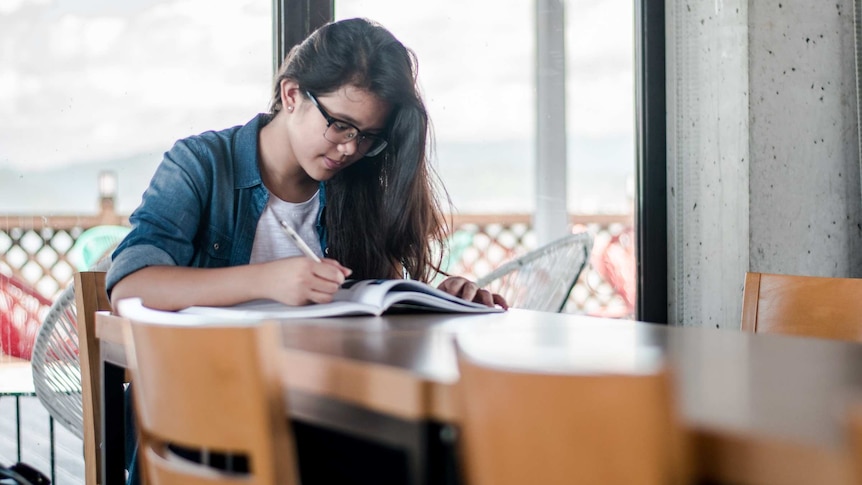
x,y
202,205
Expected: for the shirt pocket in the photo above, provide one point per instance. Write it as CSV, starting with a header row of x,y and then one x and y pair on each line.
x,y
216,249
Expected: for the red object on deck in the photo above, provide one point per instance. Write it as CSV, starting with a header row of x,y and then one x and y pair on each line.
x,y
615,262
22,310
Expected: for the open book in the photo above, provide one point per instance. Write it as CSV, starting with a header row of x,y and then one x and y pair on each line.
x,y
356,297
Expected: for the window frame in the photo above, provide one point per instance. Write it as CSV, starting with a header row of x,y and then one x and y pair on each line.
x,y
651,252
294,20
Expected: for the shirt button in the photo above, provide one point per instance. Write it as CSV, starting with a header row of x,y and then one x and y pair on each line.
x,y
215,246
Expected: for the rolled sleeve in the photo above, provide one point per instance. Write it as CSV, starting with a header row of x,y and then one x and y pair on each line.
x,y
133,259
201,207
165,224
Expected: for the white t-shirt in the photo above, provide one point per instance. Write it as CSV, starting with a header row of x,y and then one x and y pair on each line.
x,y
270,240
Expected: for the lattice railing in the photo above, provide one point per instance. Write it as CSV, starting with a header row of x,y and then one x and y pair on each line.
x,y
36,249
606,286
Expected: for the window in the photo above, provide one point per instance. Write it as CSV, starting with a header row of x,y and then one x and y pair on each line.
x,y
89,86
477,69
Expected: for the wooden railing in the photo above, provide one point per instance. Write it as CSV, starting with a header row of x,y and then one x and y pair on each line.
x,y
36,248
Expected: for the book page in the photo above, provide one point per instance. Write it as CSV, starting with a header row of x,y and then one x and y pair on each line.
x,y
262,309
384,293
133,308
356,297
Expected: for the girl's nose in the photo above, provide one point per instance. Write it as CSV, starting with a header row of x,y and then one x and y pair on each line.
x,y
347,148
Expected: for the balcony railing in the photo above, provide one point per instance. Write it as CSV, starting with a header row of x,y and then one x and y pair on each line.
x,y
36,248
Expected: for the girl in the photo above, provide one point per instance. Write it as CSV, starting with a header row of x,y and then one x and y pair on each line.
x,y
341,157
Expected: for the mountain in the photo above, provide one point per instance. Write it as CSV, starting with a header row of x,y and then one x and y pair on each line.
x,y
74,189
480,177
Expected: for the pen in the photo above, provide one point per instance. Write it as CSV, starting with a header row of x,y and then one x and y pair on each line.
x,y
298,241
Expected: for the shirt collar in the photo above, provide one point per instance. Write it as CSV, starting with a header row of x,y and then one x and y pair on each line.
x,y
246,152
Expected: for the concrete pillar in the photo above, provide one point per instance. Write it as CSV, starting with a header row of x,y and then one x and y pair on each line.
x,y
708,156
763,168
805,195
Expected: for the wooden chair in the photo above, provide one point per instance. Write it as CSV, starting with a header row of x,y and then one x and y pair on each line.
x,y
810,306
853,429
210,388
90,297
526,427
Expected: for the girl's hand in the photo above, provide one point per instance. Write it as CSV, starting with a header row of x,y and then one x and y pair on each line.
x,y
301,281
467,290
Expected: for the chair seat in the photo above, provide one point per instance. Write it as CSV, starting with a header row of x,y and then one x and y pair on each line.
x,y
16,376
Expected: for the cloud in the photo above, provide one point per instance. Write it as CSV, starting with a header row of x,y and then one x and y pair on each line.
x,y
477,63
101,79
82,85
8,7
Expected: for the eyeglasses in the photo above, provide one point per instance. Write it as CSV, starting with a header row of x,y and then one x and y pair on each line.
x,y
339,131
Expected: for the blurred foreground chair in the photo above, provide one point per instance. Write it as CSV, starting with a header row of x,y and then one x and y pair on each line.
x,y
225,398
853,431
543,278
809,306
521,426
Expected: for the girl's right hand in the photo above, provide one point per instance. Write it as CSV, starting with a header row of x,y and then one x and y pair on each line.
x,y
301,281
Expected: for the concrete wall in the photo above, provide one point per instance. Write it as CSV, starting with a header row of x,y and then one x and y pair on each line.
x,y
763,166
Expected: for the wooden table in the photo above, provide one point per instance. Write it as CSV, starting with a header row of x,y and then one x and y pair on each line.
x,y
759,409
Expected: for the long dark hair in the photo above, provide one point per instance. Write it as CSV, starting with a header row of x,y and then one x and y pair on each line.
x,y
382,212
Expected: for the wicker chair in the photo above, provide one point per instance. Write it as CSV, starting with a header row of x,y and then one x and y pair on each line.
x,y
21,311
543,278
94,244
56,370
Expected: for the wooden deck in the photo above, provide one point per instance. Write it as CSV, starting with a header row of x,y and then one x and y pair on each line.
x,y
35,430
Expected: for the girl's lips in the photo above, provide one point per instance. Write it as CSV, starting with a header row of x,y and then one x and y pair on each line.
x,y
331,164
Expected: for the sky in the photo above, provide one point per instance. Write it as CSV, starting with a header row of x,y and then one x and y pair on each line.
x,y
84,81
88,79
477,62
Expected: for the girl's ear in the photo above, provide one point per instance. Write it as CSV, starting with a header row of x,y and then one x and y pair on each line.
x,y
290,94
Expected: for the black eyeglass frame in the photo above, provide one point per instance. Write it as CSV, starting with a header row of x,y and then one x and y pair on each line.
x,y
376,143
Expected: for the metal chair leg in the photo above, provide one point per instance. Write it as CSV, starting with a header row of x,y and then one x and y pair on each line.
x,y
18,425
53,460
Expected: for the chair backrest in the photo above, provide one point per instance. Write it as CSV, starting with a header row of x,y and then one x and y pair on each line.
x,y
810,306
21,311
214,388
543,278
528,427
853,431
56,364
94,245
90,297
